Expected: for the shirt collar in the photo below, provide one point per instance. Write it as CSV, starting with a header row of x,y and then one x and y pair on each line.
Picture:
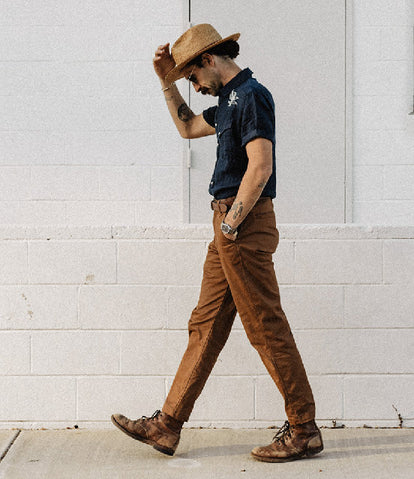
x,y
240,78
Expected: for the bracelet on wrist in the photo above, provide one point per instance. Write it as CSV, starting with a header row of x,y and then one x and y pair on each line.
x,y
167,87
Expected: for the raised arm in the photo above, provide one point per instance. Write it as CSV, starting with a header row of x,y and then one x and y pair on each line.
x,y
188,124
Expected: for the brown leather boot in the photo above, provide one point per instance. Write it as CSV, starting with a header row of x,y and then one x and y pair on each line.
x,y
291,443
160,430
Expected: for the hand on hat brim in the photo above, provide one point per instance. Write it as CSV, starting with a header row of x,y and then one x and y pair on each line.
x,y
177,72
163,61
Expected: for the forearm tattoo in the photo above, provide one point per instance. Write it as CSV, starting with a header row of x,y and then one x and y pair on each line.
x,y
237,209
184,112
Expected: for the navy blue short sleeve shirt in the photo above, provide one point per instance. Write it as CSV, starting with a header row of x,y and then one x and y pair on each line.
x,y
245,111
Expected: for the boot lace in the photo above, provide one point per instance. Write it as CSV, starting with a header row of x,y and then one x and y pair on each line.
x,y
283,432
154,416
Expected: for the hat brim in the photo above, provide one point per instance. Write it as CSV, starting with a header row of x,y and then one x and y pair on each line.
x,y
177,72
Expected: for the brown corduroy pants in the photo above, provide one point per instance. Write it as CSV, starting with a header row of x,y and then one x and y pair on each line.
x,y
239,276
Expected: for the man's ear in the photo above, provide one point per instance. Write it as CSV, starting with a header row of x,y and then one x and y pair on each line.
x,y
207,59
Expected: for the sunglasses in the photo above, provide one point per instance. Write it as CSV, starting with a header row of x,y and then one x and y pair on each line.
x,y
192,78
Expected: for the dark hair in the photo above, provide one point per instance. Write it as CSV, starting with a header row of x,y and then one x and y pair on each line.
x,y
228,49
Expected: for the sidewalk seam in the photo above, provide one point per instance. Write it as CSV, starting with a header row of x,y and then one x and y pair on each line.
x,y
7,449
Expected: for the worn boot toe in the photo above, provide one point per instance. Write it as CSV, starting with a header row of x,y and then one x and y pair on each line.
x,y
160,430
291,443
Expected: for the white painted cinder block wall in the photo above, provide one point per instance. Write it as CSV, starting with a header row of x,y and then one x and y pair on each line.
x,y
81,114
94,303
383,168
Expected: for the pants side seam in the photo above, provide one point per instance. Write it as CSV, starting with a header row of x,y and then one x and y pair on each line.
x,y
204,347
253,306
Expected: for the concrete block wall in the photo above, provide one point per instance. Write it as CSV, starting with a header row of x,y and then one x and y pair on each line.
x,y
93,316
94,321
82,114
383,157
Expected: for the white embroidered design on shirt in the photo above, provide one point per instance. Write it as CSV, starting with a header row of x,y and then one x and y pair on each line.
x,y
232,98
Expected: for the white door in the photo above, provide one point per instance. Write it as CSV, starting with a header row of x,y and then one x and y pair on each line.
x,y
296,48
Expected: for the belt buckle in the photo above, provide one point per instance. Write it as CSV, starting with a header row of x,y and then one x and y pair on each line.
x,y
223,208
219,206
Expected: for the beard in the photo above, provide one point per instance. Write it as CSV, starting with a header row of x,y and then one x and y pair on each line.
x,y
213,89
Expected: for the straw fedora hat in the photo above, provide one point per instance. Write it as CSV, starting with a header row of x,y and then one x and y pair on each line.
x,y
193,43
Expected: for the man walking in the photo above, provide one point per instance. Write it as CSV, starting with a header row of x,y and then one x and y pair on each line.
x,y
239,273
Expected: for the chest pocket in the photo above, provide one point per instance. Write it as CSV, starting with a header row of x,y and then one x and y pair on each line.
x,y
226,139
222,128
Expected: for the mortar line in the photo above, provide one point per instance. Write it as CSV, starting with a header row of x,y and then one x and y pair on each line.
x,y
7,449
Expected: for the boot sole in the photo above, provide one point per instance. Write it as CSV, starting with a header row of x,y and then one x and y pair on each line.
x,y
164,450
305,455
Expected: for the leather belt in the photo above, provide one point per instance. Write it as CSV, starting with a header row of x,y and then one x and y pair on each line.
x,y
222,205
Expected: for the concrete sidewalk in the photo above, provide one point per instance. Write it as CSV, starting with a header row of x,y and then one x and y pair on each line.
x,y
202,453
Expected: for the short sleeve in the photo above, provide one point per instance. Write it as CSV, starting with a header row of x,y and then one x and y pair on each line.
x,y
210,116
258,117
